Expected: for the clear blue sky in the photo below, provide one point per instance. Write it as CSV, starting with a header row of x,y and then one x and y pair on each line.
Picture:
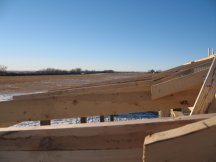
x,y
126,35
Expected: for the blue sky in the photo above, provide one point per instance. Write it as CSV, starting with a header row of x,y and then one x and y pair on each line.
x,y
125,35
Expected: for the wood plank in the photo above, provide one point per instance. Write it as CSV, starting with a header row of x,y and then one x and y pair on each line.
x,y
178,84
189,65
207,92
129,155
212,108
180,73
193,142
90,136
176,113
92,101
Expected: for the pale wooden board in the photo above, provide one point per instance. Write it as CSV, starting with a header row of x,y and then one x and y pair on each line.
x,y
178,84
98,100
176,113
129,155
175,71
95,136
180,73
193,142
212,108
207,92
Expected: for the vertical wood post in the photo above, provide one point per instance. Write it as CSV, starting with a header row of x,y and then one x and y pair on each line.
x,y
45,122
111,117
207,92
101,118
83,120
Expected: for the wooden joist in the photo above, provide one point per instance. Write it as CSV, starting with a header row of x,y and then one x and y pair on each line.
x,y
178,84
90,136
91,101
193,142
108,99
186,67
207,92
95,142
128,155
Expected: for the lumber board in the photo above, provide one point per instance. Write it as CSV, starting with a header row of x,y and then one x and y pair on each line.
x,y
207,92
175,71
94,136
91,101
193,142
176,113
129,155
180,73
178,84
212,108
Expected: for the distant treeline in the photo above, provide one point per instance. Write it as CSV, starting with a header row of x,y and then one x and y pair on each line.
x,y
52,71
154,71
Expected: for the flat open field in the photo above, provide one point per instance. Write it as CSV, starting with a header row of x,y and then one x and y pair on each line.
x,y
19,85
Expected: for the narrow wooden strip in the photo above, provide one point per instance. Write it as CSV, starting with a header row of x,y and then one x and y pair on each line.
x,y
207,92
182,67
45,122
83,120
101,118
178,84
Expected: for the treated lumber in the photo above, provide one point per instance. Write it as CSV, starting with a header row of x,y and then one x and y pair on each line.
x,y
175,71
193,142
178,84
207,92
91,101
128,155
89,136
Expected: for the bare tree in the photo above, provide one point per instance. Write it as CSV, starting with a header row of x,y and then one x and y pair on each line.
x,y
3,69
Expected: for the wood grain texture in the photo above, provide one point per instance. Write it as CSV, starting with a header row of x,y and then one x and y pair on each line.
x,y
95,136
178,70
129,155
178,84
207,92
193,142
91,101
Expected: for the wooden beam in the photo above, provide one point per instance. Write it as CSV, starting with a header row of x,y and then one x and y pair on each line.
x,y
178,84
92,101
207,92
193,142
178,69
129,155
212,108
90,136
